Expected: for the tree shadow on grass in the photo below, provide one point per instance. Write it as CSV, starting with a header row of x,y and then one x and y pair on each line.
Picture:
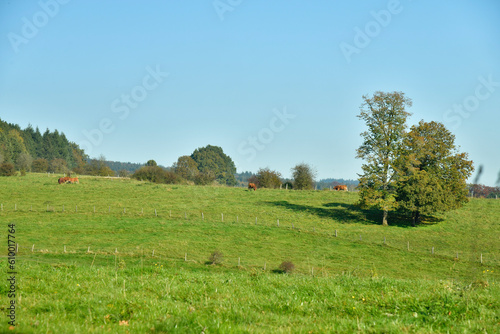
x,y
352,214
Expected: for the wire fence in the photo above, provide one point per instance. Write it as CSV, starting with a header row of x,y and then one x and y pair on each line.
x,y
437,247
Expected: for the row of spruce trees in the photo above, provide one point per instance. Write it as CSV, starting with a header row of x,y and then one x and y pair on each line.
x,y
30,150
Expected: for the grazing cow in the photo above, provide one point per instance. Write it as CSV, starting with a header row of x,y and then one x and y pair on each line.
x,y
63,180
252,186
340,187
72,180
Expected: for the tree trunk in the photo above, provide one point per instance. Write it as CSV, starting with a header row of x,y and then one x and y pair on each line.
x,y
384,219
416,218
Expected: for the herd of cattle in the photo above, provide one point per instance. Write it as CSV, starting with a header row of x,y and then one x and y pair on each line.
x,y
339,187
67,180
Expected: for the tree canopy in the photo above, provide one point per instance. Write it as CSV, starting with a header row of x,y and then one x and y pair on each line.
x,y
212,160
433,172
418,172
22,147
385,116
303,177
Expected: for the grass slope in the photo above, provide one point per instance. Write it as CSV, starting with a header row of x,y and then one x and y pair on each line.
x,y
352,282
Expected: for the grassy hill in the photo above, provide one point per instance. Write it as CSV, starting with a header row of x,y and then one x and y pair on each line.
x,y
122,255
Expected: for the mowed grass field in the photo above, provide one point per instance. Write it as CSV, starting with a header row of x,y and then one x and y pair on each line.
x,y
118,256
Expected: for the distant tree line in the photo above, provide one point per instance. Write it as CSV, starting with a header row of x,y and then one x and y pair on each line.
x,y
30,150
482,191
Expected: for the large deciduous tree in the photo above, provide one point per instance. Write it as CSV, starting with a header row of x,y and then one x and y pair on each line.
x,y
186,168
211,160
385,116
303,177
433,173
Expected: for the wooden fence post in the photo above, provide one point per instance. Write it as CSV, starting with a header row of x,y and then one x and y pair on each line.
x,y
32,248
481,258
278,222
222,215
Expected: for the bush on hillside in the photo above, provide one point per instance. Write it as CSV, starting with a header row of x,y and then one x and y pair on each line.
x,y
204,179
7,169
286,267
40,165
216,257
156,174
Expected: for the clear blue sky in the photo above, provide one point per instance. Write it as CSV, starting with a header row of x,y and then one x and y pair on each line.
x,y
274,83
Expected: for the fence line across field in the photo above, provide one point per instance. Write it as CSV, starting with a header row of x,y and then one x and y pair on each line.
x,y
199,214
155,254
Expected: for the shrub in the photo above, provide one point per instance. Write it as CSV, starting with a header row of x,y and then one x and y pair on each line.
x,y
268,178
204,179
171,177
216,257
286,267
150,173
23,172
156,174
7,169
40,165
123,173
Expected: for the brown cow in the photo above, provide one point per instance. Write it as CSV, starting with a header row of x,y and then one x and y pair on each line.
x,y
340,187
72,180
252,186
63,180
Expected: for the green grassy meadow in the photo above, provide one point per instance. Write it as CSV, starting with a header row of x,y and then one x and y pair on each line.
x,y
125,256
